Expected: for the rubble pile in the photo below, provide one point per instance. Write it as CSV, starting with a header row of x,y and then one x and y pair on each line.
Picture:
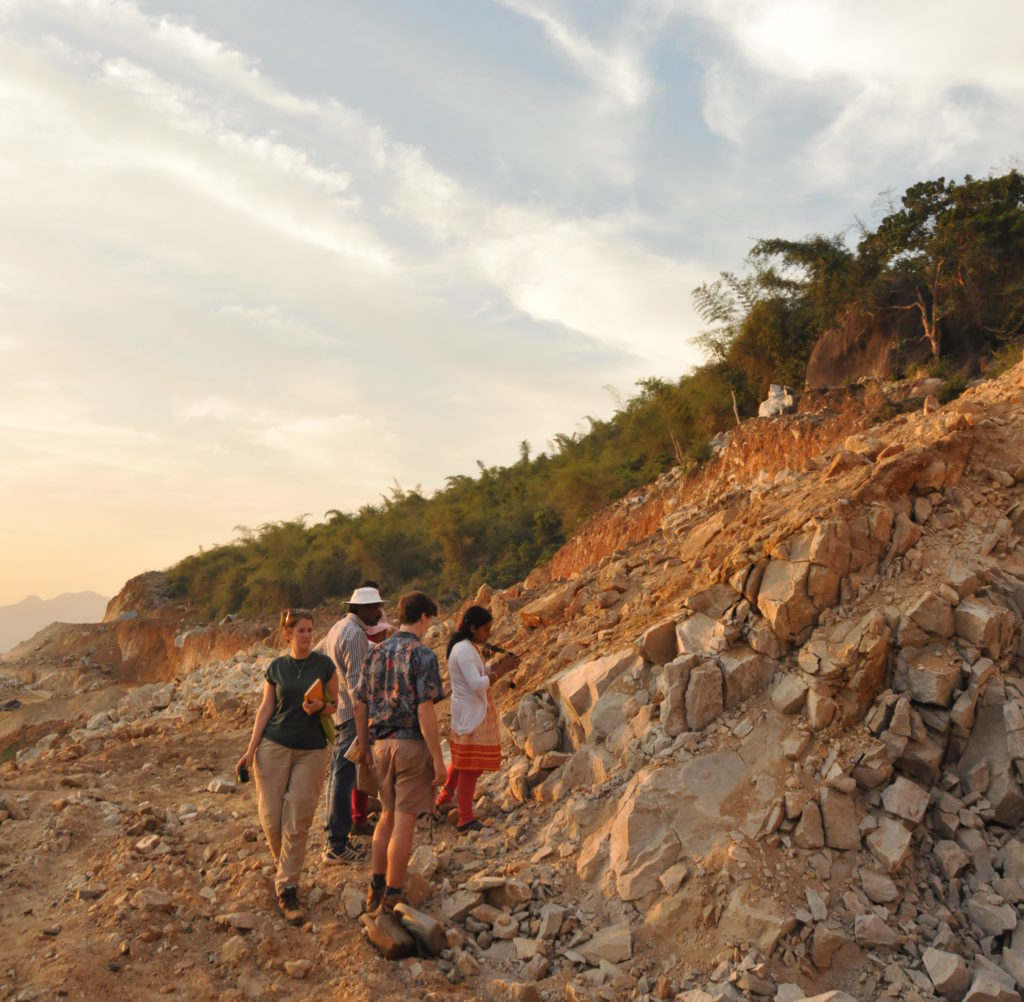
x,y
771,749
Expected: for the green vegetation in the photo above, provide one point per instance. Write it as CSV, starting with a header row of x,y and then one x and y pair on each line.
x,y
490,528
950,255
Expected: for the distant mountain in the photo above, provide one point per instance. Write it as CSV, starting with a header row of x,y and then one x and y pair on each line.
x,y
20,621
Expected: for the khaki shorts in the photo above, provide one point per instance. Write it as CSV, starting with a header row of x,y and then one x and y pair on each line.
x,y
406,773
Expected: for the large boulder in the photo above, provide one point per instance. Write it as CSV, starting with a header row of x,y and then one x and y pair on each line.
x,y
985,624
705,698
578,688
700,634
549,608
783,600
932,675
989,743
865,345
744,674
658,643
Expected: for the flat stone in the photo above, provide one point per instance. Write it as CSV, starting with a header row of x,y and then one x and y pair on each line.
x,y
890,844
932,614
821,710
234,949
551,918
933,677
1013,859
705,698
951,858
658,642
825,941
840,819
789,694
870,930
238,920
457,906
809,832
948,972
699,634
906,799
984,624
987,988
613,944
991,914
298,969
878,887
1013,956
744,674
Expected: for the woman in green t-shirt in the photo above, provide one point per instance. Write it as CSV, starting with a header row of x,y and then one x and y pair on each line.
x,y
289,753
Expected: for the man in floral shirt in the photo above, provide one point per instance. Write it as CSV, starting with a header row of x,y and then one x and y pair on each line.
x,y
394,703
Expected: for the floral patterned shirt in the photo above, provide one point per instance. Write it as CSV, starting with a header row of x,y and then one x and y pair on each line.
x,y
397,676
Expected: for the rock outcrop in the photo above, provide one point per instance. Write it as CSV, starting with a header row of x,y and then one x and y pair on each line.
x,y
766,743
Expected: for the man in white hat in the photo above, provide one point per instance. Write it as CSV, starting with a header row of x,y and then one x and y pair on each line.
x,y
346,644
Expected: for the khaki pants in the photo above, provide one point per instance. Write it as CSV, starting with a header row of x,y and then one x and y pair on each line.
x,y
288,785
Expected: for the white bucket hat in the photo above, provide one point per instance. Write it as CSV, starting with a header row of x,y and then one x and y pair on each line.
x,y
365,596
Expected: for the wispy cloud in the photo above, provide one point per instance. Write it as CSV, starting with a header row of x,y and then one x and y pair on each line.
x,y
238,264
616,70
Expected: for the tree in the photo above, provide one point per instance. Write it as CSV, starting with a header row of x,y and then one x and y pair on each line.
x,y
960,250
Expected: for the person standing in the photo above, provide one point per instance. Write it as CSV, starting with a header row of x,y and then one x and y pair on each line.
x,y
394,706
475,739
288,752
346,644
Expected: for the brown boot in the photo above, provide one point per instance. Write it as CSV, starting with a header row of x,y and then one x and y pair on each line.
x,y
374,897
288,903
389,901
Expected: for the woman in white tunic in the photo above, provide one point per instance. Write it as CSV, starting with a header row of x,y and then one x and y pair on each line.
x,y
475,741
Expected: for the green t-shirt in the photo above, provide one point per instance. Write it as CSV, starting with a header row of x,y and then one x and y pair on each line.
x,y
290,725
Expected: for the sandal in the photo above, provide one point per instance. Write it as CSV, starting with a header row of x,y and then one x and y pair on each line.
x,y
470,826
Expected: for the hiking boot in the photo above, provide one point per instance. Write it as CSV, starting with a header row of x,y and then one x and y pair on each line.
x,y
348,853
389,901
288,903
374,897
363,828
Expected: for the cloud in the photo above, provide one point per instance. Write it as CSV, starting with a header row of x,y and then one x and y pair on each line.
x,y
617,71
590,277
870,50
942,45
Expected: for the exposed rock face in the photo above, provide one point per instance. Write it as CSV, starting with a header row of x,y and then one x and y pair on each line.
x,y
863,346
787,713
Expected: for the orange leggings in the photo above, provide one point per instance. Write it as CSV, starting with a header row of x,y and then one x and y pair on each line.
x,y
460,783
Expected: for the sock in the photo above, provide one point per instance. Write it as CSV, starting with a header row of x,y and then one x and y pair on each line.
x,y
377,881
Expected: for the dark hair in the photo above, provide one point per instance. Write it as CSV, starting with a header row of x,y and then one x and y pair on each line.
x,y
413,606
291,616
473,618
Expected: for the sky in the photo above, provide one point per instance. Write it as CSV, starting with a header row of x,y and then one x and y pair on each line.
x,y
263,260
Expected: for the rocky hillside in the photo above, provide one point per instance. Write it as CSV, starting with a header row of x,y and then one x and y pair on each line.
x,y
767,743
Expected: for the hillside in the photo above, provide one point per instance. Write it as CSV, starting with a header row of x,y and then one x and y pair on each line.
x,y
766,744
19,621
936,289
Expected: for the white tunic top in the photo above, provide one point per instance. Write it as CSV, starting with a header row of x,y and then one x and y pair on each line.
x,y
469,687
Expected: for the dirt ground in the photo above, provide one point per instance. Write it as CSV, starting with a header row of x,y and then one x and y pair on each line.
x,y
75,925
